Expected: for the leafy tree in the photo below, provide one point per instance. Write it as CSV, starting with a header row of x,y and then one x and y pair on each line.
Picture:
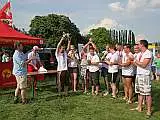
x,y
52,26
101,37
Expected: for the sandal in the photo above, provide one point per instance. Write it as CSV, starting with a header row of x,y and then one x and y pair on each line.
x,y
129,102
148,115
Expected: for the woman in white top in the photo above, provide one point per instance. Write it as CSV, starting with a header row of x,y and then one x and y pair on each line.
x,y
127,72
73,59
93,62
112,61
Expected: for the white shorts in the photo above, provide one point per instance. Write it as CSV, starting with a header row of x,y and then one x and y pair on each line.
x,y
21,81
143,84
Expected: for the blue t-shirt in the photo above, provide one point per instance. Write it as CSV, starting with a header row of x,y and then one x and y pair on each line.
x,y
18,63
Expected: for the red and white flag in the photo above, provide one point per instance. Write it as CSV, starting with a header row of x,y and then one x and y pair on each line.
x,y
5,13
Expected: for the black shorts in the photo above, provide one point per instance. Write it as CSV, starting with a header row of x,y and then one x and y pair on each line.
x,y
94,78
112,77
104,72
63,77
73,70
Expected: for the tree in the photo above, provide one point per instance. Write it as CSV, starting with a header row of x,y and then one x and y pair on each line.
x,y
101,37
52,26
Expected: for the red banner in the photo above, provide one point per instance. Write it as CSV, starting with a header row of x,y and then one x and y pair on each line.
x,y
6,77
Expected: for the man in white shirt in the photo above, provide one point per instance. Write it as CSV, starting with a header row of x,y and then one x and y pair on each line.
x,y
35,64
61,55
112,61
93,61
36,61
143,78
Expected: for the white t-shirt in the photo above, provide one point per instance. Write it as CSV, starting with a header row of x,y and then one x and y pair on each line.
x,y
128,70
73,62
141,57
95,58
34,61
135,67
120,54
62,61
112,57
88,57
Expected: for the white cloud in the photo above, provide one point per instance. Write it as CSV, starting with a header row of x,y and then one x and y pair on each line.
x,y
155,3
135,5
116,6
106,22
140,37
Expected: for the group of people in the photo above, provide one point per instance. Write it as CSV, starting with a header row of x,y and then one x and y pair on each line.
x,y
117,63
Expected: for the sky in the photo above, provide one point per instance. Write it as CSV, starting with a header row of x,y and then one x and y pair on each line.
x,y
141,16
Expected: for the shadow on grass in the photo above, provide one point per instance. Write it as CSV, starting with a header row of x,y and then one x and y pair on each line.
x,y
62,95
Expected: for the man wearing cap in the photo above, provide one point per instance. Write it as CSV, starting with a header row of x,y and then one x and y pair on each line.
x,y
34,64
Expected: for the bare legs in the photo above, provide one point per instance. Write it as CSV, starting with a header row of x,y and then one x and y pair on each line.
x,y
114,89
23,94
125,89
93,90
128,90
74,81
21,87
149,104
73,77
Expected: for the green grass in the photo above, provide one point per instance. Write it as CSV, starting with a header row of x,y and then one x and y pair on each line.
x,y
49,106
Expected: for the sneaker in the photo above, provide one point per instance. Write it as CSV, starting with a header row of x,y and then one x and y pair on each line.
x,y
15,100
96,93
148,115
125,98
129,102
105,94
133,109
24,101
136,102
137,109
114,97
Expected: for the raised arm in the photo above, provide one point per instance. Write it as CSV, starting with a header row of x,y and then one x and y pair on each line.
x,y
85,46
59,44
94,46
69,45
104,55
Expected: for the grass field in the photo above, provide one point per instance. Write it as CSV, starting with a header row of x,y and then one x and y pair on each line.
x,y
49,106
